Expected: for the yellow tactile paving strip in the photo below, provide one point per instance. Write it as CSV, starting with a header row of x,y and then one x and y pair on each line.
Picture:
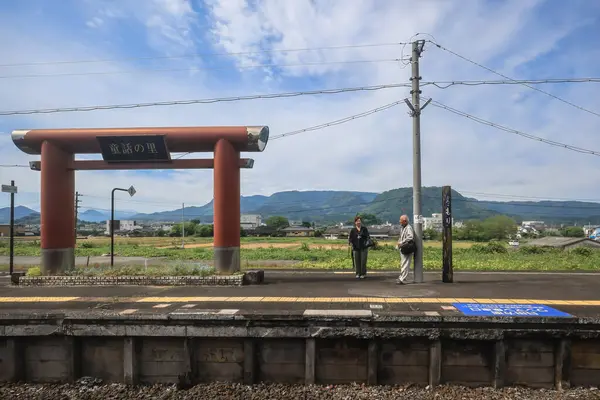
x,y
36,299
407,300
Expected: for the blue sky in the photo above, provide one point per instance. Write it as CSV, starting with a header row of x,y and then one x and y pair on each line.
x,y
204,49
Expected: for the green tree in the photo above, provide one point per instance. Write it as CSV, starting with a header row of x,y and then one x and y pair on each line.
x,y
205,230
161,233
367,219
306,224
431,234
277,222
572,231
497,227
190,229
243,232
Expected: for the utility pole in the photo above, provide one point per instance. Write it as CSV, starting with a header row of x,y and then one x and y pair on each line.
x,y
182,226
77,201
415,107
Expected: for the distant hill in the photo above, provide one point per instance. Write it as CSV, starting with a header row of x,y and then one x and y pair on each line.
x,y
336,206
87,216
393,203
93,216
312,205
568,212
20,212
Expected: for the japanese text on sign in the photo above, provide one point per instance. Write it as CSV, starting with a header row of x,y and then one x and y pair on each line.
x,y
143,148
509,310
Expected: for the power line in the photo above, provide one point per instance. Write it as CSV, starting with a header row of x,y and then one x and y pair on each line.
x,y
138,71
510,130
506,77
205,101
339,121
327,124
354,46
447,84
13,166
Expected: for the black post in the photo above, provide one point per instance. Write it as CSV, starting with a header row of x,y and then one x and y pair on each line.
x,y
112,227
12,230
447,273
112,221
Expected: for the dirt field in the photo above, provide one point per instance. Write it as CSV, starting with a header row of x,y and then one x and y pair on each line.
x,y
246,242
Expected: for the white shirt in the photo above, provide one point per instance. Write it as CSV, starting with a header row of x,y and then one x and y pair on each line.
x,y
406,234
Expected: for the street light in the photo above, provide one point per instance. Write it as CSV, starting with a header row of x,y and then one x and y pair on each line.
x,y
131,192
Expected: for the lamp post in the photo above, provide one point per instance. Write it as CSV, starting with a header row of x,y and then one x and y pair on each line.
x,y
131,192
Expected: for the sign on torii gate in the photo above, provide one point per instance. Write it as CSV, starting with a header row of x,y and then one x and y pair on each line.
x,y
137,148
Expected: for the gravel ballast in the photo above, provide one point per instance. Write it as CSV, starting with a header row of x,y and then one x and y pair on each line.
x,y
92,389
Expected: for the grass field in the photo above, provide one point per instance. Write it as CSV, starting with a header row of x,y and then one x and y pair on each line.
x,y
330,254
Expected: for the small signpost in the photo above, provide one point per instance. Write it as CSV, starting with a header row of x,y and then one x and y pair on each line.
x,y
133,149
508,310
447,272
131,192
12,189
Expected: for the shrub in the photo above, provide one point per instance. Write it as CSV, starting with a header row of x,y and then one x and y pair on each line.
x,y
34,271
581,251
304,247
535,249
489,248
87,245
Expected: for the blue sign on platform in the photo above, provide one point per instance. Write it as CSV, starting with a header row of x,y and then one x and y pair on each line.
x,y
509,310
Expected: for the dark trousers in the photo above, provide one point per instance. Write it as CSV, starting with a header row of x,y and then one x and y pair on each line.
x,y
360,261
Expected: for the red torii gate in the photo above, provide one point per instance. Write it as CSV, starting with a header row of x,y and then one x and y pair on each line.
x,y
137,148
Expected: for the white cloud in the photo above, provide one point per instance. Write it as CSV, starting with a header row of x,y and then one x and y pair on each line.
x,y
372,153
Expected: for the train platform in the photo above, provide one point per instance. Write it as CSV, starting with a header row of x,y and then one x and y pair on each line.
x,y
332,294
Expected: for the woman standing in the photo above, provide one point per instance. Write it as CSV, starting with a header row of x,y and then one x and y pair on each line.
x,y
359,240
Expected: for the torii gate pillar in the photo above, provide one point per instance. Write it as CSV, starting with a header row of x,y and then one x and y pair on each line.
x,y
137,148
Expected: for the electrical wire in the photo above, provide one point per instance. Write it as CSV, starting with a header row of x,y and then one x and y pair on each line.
x,y
510,130
447,84
205,101
339,121
193,69
506,77
327,124
242,53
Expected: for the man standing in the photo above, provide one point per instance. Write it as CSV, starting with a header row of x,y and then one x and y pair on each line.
x,y
406,240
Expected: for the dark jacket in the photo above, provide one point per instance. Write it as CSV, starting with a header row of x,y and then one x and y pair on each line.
x,y
357,239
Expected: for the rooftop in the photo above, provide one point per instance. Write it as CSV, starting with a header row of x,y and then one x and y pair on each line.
x,y
560,241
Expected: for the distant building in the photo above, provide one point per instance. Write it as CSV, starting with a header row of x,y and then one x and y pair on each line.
x,y
297,231
250,221
122,225
564,243
435,222
20,230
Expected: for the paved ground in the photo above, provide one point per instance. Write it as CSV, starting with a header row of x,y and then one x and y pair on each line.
x,y
297,293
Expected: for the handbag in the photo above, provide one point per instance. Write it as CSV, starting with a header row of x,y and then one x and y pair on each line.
x,y
408,247
369,242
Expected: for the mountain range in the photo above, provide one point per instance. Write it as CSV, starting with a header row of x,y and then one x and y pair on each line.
x,y
336,206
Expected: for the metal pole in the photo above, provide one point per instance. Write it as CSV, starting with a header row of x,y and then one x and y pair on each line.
x,y
12,230
112,227
182,226
417,217
76,212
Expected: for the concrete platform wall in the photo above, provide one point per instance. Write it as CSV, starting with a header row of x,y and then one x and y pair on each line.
x,y
538,362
